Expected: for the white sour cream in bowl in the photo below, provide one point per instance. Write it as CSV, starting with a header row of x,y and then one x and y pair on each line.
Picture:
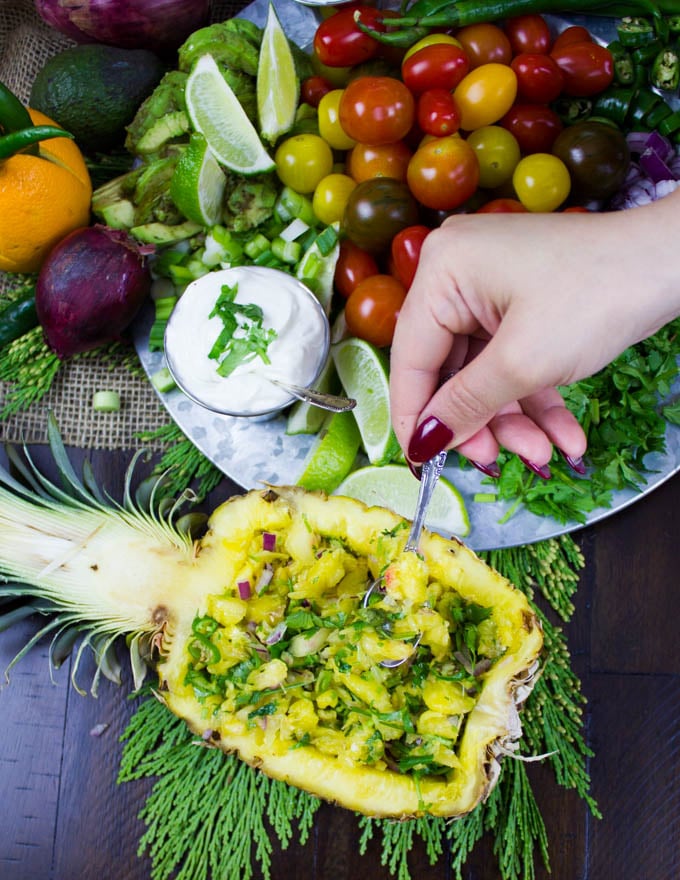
x,y
288,324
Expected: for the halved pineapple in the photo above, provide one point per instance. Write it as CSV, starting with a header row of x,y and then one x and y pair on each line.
x,y
263,643
282,663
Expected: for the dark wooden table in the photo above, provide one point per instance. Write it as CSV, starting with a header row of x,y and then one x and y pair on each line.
x,y
63,817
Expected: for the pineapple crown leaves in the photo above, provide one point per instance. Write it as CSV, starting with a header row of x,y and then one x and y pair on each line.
x,y
62,519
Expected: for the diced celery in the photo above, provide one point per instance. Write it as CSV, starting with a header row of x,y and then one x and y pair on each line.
x,y
106,401
291,205
327,240
256,246
162,380
294,230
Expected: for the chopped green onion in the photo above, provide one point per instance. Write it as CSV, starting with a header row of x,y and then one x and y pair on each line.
x,y
288,251
292,205
256,246
221,246
164,306
106,401
162,380
327,240
485,497
294,230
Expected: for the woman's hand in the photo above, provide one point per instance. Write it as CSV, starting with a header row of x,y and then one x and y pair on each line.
x,y
505,307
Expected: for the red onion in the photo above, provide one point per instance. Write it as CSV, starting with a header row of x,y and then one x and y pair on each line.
x,y
276,634
268,541
90,288
244,589
158,25
264,579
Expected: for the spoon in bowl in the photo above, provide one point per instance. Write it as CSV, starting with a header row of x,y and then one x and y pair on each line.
x,y
331,402
430,475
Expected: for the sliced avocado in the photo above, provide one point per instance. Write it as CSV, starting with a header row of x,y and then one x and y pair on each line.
x,y
170,126
160,233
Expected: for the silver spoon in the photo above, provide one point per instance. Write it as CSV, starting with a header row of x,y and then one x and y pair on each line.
x,y
324,400
430,474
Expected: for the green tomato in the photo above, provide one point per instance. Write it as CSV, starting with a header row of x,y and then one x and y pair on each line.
x,y
497,152
330,128
330,197
302,161
541,182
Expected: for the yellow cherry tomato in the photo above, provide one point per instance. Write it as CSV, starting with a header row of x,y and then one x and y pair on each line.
x,y
541,182
302,161
330,128
498,153
330,197
430,40
485,95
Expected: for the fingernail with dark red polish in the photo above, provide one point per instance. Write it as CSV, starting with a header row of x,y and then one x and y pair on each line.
x,y
430,437
416,471
576,464
491,470
541,470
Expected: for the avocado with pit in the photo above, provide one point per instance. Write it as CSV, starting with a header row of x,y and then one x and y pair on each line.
x,y
93,91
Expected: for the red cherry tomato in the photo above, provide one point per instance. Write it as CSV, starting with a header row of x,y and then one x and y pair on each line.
x,y
338,41
438,66
502,206
377,110
484,43
437,113
378,160
534,125
539,78
587,68
313,89
371,311
528,33
405,252
443,173
573,34
353,266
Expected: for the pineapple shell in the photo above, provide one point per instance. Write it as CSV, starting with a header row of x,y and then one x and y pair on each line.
x,y
374,534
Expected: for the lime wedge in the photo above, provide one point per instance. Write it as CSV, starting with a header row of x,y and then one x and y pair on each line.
x,y
303,417
332,456
317,271
394,486
216,112
278,86
198,183
363,371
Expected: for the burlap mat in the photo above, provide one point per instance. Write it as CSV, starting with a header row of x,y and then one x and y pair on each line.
x,y
25,44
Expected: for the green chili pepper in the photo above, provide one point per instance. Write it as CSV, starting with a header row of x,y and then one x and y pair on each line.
x,y
615,104
204,626
425,15
643,56
18,317
624,69
203,650
665,72
571,110
634,31
670,127
673,22
13,115
20,141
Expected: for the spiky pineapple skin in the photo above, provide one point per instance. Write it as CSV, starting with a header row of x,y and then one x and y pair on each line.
x,y
374,535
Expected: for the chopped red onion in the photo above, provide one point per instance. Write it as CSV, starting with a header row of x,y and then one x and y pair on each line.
x,y
654,166
268,541
244,589
264,579
276,634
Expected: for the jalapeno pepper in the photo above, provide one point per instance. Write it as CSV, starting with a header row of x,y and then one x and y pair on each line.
x,y
615,104
204,626
665,72
203,651
624,69
22,140
18,317
13,115
634,31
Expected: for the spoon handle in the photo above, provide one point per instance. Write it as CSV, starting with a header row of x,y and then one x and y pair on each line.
x,y
431,472
331,402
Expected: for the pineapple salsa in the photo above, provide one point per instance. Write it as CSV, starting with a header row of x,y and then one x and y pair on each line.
x,y
288,666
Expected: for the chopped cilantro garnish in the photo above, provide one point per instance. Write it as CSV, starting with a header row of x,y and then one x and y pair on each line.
x,y
243,336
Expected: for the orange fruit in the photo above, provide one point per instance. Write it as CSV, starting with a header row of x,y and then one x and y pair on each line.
x,y
42,199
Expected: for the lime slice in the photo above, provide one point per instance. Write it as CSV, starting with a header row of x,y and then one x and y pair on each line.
x,y
278,86
198,183
216,112
393,486
333,455
303,417
363,371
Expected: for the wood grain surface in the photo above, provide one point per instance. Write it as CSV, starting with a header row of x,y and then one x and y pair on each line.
x,y
64,817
